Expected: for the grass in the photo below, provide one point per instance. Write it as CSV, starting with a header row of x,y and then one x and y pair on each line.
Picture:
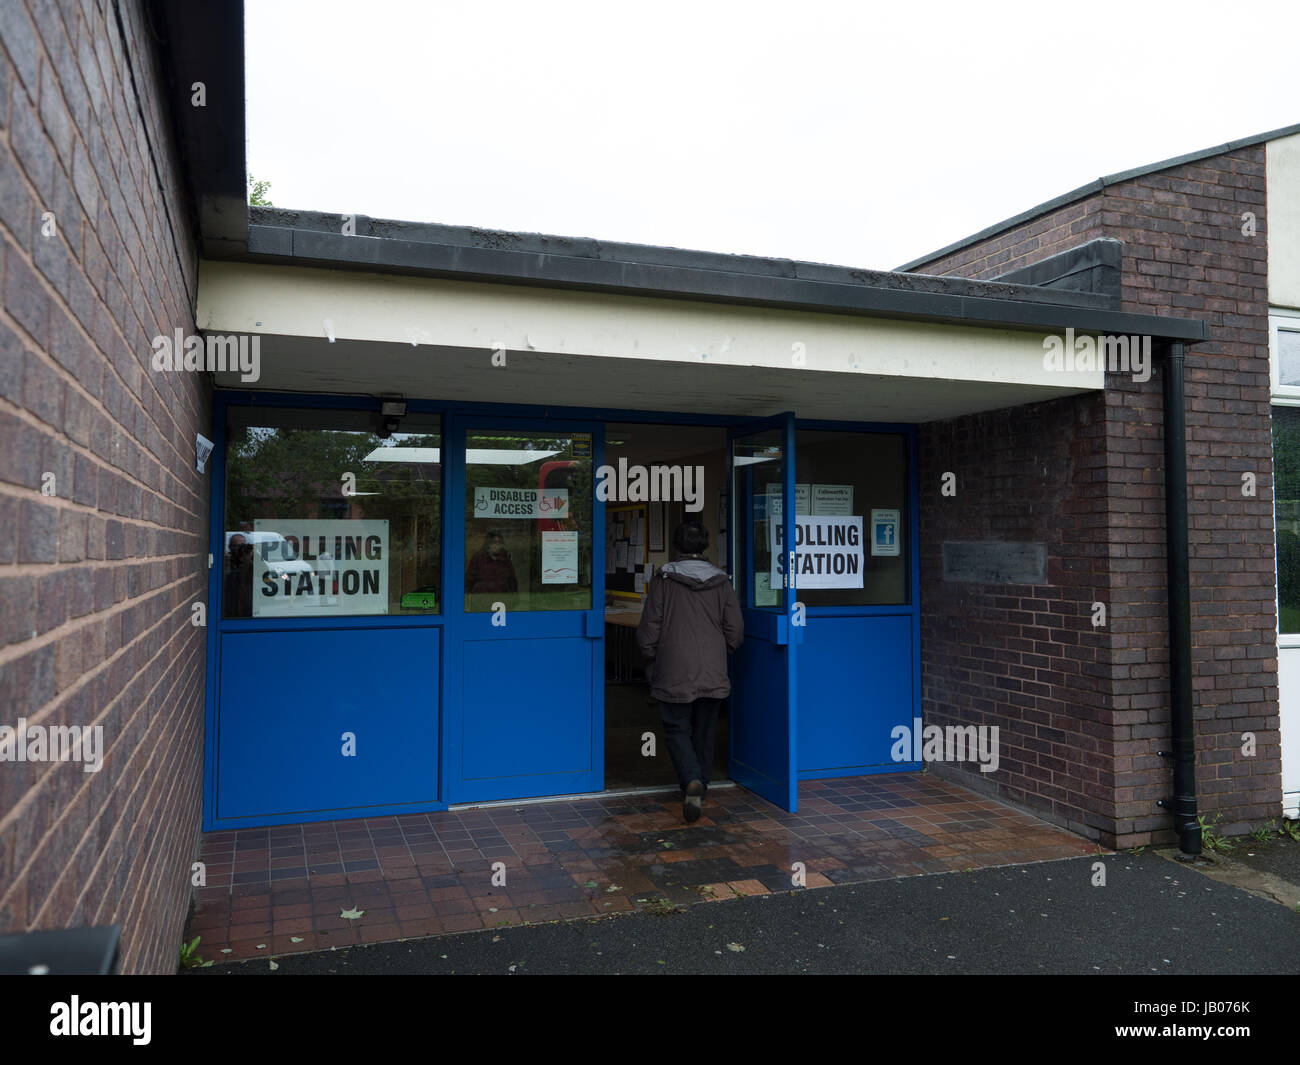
x,y
1211,838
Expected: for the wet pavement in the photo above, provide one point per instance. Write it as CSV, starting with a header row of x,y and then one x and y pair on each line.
x,y
294,889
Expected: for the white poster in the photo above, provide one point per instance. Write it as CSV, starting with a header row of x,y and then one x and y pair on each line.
x,y
521,503
832,499
560,556
827,550
319,566
886,531
802,499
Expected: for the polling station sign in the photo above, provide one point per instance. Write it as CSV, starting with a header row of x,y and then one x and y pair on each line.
x,y
521,502
827,551
313,567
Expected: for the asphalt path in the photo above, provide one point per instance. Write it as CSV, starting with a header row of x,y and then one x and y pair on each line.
x,y
1115,914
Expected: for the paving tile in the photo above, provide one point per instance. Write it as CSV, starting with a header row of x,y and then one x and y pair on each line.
x,y
417,875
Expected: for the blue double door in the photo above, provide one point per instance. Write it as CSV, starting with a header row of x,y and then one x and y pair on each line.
x,y
525,618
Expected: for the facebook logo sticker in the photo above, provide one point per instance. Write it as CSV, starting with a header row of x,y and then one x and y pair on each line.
x,y
885,525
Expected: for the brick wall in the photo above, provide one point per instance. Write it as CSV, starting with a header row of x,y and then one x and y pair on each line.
x,y
1184,254
1025,658
97,577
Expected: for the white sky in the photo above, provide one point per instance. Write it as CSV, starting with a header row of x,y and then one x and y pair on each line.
x,y
852,133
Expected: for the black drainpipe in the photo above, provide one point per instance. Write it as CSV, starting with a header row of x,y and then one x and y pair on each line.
x,y
1182,725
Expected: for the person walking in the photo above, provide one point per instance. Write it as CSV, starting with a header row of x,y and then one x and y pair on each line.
x,y
690,621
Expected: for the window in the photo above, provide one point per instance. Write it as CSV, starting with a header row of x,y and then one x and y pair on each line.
x,y
528,521
325,518
1285,336
851,510
1286,480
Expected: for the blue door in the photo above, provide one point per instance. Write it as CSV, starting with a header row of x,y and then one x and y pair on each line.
x,y
763,706
525,595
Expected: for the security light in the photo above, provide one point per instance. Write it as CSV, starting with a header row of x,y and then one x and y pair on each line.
x,y
391,408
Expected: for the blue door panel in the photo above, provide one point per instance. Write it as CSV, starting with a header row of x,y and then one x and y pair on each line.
x,y
288,697
528,709
760,757
855,686
763,706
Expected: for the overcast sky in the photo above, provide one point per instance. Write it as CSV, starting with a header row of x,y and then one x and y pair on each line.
x,y
863,134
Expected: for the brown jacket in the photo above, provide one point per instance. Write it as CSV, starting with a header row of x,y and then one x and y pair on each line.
x,y
690,621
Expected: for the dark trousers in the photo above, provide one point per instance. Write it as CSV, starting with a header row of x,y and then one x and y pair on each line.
x,y
689,729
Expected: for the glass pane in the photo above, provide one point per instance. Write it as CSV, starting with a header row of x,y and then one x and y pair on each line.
x,y
1288,356
1286,480
851,499
331,521
528,521
759,470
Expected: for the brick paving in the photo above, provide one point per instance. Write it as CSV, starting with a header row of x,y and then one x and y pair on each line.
x,y
283,890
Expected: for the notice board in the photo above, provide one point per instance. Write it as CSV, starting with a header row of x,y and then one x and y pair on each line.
x,y
627,532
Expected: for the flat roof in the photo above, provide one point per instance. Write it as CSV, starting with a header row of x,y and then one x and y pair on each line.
x,y
312,238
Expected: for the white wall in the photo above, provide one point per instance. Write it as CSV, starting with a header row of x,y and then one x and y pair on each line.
x,y
1283,175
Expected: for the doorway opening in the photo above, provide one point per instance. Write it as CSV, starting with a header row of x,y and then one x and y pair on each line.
x,y
684,468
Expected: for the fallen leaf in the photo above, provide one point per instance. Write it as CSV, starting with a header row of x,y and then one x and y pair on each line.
x,y
735,948
273,965
352,914
295,939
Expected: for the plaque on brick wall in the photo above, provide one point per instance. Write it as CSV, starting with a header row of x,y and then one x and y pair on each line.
x,y
995,561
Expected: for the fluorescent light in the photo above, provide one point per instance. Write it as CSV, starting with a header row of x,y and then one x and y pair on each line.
x,y
475,456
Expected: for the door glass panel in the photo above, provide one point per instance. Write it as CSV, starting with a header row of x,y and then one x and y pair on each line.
x,y
528,521
758,463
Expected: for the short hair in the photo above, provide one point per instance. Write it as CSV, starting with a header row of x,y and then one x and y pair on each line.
x,y
691,538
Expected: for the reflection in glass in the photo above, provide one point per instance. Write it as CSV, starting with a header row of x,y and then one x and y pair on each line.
x,y
331,521
844,475
1286,480
758,463
528,522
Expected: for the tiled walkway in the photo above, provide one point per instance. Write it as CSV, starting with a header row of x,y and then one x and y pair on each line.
x,y
283,890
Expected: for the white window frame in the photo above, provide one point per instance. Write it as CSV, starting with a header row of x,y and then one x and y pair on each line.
x,y
1279,320
1282,396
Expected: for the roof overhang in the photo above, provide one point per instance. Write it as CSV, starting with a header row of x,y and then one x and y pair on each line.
x,y
331,331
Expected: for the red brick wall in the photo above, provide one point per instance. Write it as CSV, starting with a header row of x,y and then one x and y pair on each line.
x,y
96,579
1184,254
1023,657
1040,238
